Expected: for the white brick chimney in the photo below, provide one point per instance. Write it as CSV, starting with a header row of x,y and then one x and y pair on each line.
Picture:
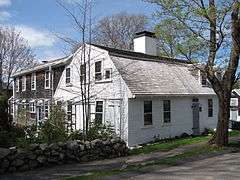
x,y
145,42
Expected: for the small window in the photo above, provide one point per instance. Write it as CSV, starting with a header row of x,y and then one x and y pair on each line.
x,y
83,72
46,109
210,108
98,71
108,73
24,82
147,113
204,79
32,107
68,75
47,80
166,111
69,111
33,81
17,84
99,112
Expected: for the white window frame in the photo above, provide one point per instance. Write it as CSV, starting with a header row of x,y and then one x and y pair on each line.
x,y
47,78
17,84
24,83
33,81
32,107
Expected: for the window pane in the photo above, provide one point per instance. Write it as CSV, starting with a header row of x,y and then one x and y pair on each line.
x,y
166,111
107,74
166,105
210,108
98,117
147,112
98,66
167,117
99,106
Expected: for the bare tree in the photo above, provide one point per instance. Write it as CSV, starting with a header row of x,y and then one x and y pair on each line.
x,y
118,30
15,55
80,14
218,24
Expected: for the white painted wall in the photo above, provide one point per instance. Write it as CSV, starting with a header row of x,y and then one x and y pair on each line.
x,y
181,118
114,93
146,45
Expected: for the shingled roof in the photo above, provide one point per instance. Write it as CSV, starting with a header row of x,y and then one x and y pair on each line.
x,y
152,75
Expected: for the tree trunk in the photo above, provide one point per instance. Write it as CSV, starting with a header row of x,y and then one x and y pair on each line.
x,y
221,138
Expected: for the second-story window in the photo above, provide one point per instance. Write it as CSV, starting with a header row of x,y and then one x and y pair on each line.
x,y
108,74
98,70
33,81
24,82
47,79
68,75
17,84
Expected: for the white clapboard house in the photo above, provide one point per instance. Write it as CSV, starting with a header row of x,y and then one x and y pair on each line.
x,y
142,95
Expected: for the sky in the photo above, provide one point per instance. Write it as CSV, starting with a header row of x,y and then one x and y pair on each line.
x,y
40,20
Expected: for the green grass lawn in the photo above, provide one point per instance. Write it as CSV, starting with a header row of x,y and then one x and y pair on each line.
x,y
172,144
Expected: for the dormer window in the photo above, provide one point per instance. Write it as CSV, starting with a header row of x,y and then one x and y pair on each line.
x,y
68,76
98,70
24,82
17,84
204,79
47,79
33,81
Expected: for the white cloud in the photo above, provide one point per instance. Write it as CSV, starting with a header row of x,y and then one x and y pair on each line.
x,y
36,37
4,15
5,2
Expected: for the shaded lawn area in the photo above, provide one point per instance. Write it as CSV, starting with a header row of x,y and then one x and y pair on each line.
x,y
172,144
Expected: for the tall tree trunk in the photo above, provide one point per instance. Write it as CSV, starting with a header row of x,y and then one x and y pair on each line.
x,y
221,138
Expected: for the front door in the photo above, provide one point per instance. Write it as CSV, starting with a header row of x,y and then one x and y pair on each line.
x,y
195,111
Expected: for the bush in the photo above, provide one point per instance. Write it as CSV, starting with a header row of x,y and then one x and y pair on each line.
x,y
100,131
5,120
53,129
11,136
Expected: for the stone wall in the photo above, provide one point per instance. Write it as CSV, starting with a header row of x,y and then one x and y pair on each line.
x,y
42,155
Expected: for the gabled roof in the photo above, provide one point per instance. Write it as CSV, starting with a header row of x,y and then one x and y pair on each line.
x,y
52,63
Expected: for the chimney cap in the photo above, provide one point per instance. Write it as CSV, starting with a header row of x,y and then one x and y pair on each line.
x,y
145,33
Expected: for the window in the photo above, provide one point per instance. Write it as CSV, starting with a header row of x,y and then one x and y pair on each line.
x,y
17,84
210,108
68,75
83,72
99,111
98,71
147,113
24,81
204,79
46,109
166,111
32,106
47,80
33,81
108,73
69,111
